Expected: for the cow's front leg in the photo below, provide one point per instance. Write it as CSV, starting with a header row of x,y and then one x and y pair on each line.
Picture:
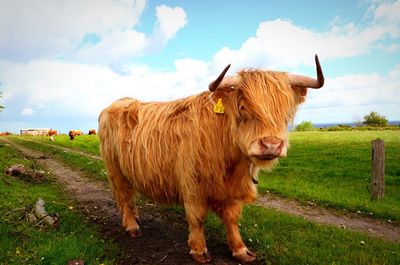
x,y
195,215
230,215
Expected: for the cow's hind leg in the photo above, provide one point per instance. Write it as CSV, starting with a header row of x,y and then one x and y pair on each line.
x,y
195,215
230,215
124,194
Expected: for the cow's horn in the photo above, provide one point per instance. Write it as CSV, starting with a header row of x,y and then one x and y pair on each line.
x,y
223,81
305,81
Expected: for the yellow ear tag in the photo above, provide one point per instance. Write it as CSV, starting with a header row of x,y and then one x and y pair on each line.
x,y
219,107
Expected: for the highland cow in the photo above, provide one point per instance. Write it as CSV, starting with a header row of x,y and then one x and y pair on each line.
x,y
203,151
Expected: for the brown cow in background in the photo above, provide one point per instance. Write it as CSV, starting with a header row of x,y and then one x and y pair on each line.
x,y
74,133
202,151
52,132
92,132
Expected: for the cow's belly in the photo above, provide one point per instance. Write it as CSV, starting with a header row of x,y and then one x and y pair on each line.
x,y
158,189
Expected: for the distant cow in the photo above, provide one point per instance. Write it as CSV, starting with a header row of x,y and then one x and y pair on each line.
x,y
74,133
52,132
203,151
92,132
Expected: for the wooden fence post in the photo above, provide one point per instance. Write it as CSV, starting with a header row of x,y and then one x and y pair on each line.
x,y
378,169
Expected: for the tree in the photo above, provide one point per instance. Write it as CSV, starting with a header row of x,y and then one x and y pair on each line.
x,y
375,119
305,126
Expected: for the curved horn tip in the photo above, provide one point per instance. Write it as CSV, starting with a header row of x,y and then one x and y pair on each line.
x,y
304,81
214,85
320,74
226,69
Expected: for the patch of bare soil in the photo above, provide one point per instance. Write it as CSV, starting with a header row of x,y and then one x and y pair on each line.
x,y
164,233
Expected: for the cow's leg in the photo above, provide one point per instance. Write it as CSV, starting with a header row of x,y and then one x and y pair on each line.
x,y
230,215
195,215
124,195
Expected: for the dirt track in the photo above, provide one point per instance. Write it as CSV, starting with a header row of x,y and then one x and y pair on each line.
x,y
165,232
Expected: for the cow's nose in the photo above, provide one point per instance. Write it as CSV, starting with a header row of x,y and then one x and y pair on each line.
x,y
272,147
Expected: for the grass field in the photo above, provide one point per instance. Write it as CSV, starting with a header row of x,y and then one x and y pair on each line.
x,y
283,239
25,243
329,168
86,143
334,169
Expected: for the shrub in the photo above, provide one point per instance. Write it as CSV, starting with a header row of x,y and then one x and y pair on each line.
x,y
374,119
305,126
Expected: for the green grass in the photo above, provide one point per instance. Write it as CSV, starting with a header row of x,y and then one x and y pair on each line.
x,y
334,168
86,143
25,243
283,239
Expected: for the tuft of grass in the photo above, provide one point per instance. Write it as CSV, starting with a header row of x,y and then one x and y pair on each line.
x,y
334,169
25,243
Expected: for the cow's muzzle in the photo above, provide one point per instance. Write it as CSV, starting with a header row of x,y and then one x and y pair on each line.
x,y
270,148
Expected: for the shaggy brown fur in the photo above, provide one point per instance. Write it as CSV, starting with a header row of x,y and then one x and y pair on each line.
x,y
183,152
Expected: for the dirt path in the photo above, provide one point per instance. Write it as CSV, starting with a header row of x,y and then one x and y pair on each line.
x,y
165,232
326,216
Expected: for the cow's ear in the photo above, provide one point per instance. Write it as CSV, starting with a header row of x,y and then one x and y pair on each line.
x,y
219,93
301,93
222,93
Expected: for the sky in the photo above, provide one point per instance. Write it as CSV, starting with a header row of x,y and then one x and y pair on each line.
x,y
62,62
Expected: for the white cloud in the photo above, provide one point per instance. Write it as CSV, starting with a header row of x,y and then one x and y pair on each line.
x,y
37,30
169,20
388,11
71,89
349,96
27,112
281,43
42,28
116,46
122,44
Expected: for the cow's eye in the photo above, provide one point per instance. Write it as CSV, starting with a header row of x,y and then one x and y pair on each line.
x,y
242,105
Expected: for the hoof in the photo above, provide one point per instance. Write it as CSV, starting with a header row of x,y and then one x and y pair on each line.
x,y
201,257
134,233
246,256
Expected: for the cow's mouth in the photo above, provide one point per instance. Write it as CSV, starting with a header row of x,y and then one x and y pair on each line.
x,y
265,157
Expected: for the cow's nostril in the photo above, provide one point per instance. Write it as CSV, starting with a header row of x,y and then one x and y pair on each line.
x,y
271,146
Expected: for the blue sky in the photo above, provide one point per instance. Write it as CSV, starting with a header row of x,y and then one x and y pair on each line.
x,y
62,62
